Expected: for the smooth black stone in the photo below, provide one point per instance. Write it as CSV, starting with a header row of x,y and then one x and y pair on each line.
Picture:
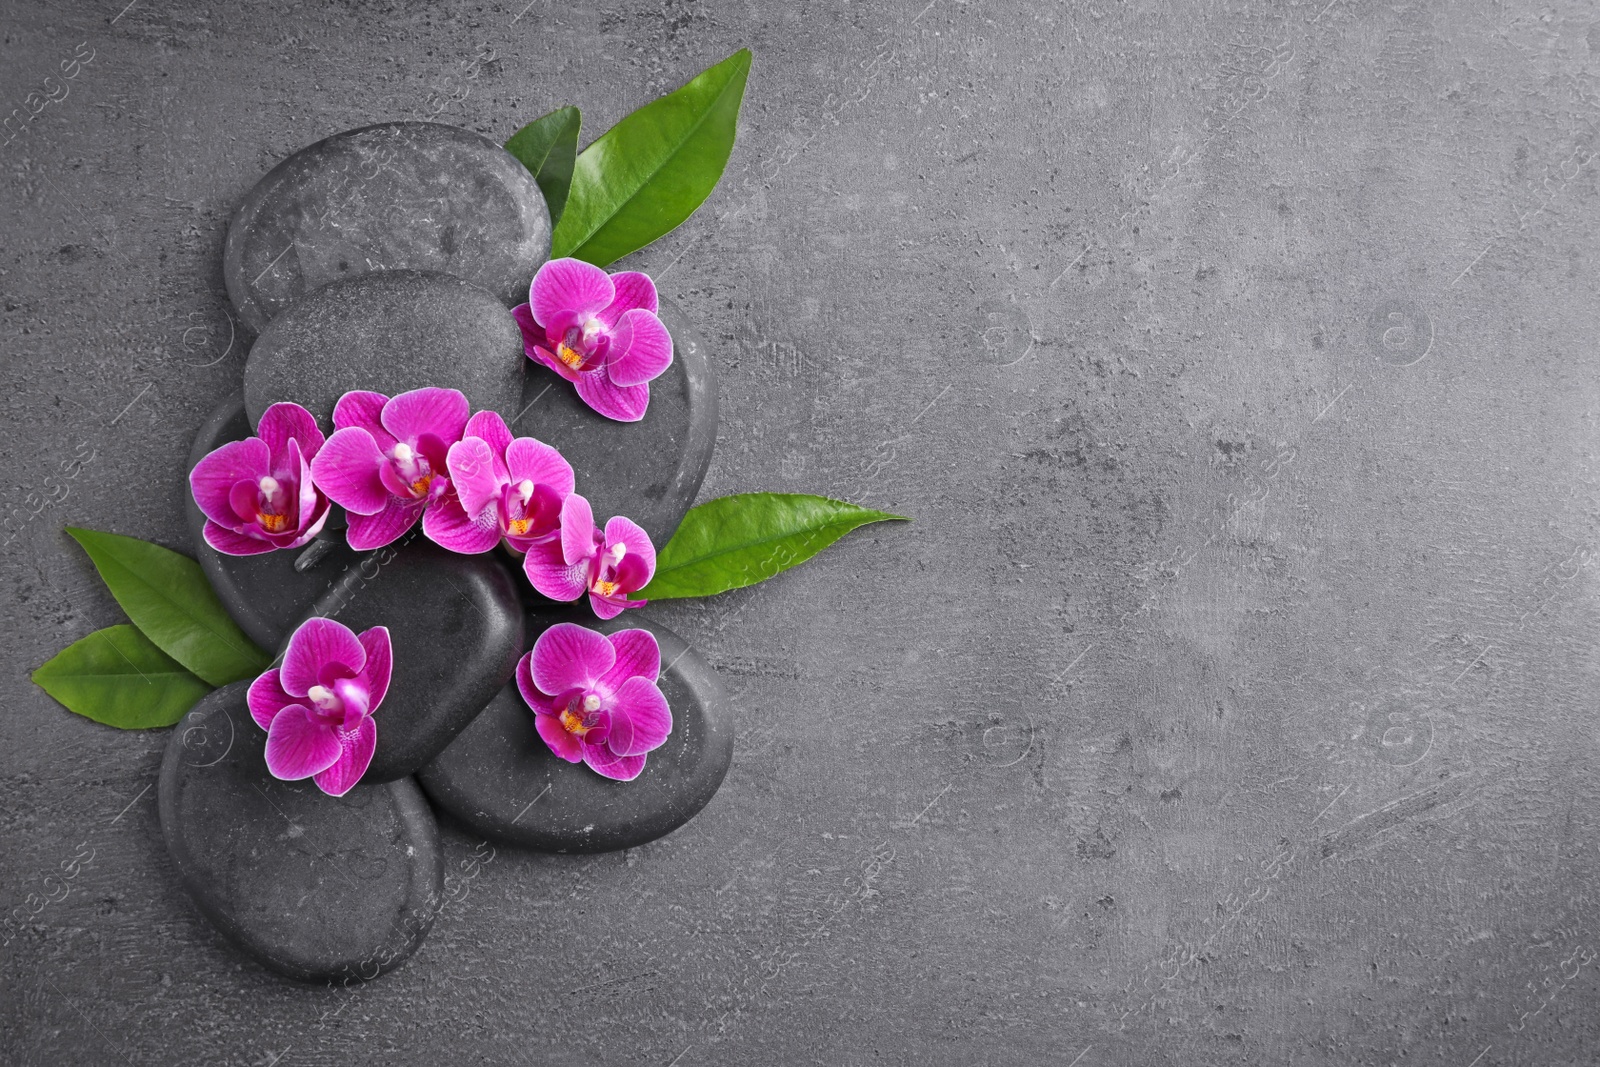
x,y
648,470
456,626
316,887
501,779
387,332
265,595
398,196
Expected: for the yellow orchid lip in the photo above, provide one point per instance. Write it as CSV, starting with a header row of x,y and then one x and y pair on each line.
x,y
272,523
569,355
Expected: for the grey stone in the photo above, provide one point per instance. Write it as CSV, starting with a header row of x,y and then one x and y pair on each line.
x,y
456,625
265,594
315,887
648,470
397,196
388,332
502,781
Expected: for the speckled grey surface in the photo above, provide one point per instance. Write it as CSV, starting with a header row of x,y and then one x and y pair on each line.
x,y
1090,760
499,778
318,888
393,196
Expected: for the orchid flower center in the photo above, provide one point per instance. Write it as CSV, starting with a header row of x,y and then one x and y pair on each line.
x,y
325,700
413,468
605,578
523,493
270,513
581,346
579,717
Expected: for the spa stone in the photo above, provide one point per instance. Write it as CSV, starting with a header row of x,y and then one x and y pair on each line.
x,y
502,781
319,888
396,196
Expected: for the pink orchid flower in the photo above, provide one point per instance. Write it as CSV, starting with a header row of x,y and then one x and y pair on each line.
x,y
386,461
599,331
607,565
500,488
258,494
595,698
317,709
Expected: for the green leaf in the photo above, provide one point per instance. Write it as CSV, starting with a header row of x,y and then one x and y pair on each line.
x,y
547,147
118,677
167,596
740,540
650,171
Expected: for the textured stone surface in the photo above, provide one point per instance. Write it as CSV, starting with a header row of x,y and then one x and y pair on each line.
x,y
456,626
396,196
648,470
265,594
1089,754
387,332
500,779
316,887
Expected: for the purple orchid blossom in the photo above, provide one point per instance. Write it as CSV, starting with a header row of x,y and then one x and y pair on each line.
x,y
317,709
608,564
595,698
386,462
599,331
259,494
501,488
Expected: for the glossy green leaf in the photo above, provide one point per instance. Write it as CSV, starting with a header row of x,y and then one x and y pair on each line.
x,y
167,596
547,146
119,677
650,171
740,540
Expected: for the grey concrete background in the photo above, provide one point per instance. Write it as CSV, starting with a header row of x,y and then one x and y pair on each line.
x,y
1230,700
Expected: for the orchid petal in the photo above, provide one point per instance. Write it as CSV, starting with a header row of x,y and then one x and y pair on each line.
x,y
244,501
622,530
534,336
230,543
299,746
312,503
553,577
267,697
539,702
374,531
285,422
634,291
640,718
632,574
638,656
577,529
604,762
318,643
565,292
490,428
363,409
561,743
349,469
609,607
569,656
355,755
214,477
641,349
530,459
442,412
447,525
375,642
616,402
472,474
